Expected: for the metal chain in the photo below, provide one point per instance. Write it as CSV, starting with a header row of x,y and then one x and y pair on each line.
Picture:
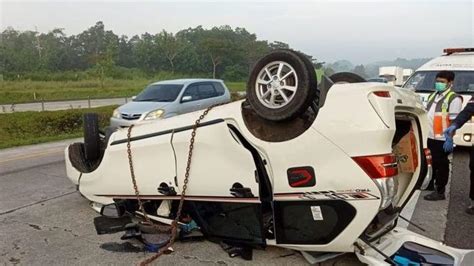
x,y
174,224
162,229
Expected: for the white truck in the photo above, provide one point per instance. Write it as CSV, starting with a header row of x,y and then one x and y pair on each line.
x,y
407,72
393,74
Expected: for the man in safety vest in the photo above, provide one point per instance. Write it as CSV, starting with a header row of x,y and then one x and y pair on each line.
x,y
443,107
463,117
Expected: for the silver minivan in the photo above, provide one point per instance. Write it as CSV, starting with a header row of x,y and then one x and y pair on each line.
x,y
168,98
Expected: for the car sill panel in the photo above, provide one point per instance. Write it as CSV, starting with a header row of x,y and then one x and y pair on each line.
x,y
169,131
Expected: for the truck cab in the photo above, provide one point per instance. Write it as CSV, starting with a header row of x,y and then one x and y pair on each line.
x,y
461,62
393,74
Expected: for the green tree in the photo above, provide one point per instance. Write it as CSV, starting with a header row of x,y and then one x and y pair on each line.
x,y
279,45
220,51
105,63
328,71
146,54
216,48
54,53
125,57
170,46
19,51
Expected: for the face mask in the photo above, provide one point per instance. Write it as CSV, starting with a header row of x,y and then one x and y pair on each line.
x,y
440,86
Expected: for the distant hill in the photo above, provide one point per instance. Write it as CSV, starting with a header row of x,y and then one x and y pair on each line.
x,y
372,69
340,66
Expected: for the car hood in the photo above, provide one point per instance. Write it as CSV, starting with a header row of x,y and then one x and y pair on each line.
x,y
141,107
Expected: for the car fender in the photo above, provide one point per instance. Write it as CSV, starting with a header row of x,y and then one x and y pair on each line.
x,y
168,115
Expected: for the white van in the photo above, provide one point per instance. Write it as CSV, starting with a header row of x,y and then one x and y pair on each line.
x,y
461,62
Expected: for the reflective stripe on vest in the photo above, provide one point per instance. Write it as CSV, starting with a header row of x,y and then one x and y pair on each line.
x,y
441,115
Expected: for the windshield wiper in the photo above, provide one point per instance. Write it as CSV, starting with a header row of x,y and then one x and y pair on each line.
x,y
145,100
424,90
154,100
166,100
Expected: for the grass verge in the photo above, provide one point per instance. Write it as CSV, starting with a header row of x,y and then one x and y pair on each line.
x,y
24,128
32,91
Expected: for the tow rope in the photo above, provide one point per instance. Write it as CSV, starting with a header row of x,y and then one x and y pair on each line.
x,y
173,228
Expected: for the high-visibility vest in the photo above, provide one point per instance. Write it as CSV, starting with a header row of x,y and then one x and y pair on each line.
x,y
441,115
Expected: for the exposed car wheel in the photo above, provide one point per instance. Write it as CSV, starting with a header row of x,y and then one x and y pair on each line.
x,y
346,77
281,86
313,99
108,132
91,137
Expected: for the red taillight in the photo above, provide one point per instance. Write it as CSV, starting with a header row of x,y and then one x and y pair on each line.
x,y
429,158
378,166
384,94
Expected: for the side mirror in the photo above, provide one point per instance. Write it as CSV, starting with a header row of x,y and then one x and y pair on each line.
x,y
186,98
112,210
134,97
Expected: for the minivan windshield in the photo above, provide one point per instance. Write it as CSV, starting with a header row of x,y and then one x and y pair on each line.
x,y
159,93
423,81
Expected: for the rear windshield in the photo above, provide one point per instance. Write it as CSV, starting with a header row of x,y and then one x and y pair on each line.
x,y
159,93
423,81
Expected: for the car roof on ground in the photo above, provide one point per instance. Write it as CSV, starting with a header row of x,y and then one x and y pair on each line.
x,y
455,61
185,81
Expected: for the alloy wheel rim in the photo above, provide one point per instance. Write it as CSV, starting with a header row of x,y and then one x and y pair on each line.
x,y
276,84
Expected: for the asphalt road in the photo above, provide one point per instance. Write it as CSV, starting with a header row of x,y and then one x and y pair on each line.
x,y
460,226
43,220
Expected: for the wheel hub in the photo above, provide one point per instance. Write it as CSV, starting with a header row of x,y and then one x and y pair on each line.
x,y
276,84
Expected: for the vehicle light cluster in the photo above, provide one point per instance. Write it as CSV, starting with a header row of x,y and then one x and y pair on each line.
x,y
382,169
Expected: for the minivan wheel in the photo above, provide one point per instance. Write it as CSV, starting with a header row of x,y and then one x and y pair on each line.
x,y
346,77
91,137
281,86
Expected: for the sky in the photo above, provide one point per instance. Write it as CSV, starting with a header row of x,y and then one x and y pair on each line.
x,y
359,31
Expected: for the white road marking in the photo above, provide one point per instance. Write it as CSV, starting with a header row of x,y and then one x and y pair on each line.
x,y
33,155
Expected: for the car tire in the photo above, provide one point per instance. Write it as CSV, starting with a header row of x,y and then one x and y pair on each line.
x,y
281,86
346,77
91,137
313,99
108,132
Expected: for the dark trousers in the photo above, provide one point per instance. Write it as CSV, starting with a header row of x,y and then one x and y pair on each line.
x,y
471,166
440,164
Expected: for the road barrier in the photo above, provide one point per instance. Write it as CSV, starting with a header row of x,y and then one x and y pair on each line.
x,y
43,105
90,102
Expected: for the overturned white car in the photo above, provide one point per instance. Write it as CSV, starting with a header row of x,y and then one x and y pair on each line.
x,y
306,166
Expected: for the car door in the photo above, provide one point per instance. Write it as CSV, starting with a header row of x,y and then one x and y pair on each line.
x,y
222,187
221,93
191,104
208,95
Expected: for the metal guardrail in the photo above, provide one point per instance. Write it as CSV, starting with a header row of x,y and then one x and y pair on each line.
x,y
43,105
